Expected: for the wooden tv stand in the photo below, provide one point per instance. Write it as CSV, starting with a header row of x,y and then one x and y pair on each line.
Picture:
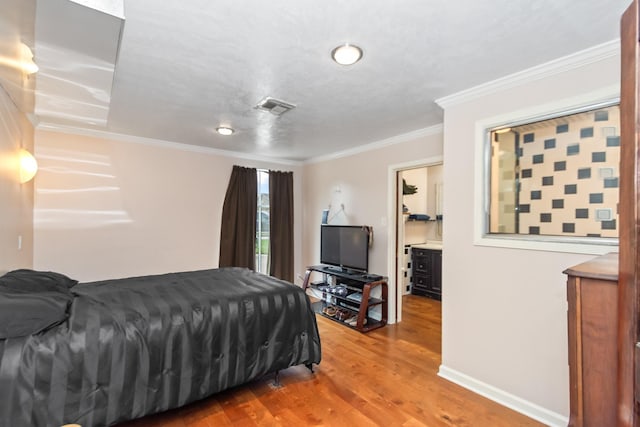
x,y
355,298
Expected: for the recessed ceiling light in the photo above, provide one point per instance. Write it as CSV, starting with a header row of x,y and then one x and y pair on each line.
x,y
223,130
346,54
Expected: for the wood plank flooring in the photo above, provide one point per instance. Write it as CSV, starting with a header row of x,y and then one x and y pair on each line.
x,y
384,378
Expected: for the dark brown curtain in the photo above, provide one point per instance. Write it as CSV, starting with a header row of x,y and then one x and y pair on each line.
x,y
238,233
281,225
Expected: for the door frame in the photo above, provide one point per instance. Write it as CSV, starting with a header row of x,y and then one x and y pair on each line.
x,y
629,214
394,249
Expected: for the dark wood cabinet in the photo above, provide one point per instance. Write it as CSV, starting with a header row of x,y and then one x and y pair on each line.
x,y
592,294
426,265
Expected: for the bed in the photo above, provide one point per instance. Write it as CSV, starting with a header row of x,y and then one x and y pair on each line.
x,y
101,353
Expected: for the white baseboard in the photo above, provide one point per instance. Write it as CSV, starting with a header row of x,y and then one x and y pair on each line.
x,y
509,400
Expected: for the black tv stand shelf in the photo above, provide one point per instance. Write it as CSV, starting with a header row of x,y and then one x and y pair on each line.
x,y
348,299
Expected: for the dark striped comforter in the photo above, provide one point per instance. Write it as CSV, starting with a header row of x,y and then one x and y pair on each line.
x,y
141,345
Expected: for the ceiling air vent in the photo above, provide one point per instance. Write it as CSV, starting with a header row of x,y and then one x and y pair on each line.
x,y
274,106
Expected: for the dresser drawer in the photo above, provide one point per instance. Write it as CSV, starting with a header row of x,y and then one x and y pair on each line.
x,y
419,252
422,281
420,263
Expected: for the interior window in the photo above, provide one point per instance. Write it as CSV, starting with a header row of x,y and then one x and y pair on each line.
x,y
262,223
556,177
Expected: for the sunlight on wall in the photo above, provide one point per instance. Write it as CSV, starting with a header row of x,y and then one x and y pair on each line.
x,y
82,191
85,97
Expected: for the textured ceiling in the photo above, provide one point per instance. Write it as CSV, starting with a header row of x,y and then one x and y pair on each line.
x,y
184,68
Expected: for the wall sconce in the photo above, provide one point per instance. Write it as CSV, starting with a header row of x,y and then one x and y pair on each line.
x,y
28,66
22,60
28,166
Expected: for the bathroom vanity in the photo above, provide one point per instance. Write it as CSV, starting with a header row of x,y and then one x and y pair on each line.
x,y
426,264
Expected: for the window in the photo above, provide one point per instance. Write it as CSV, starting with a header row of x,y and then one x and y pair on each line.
x,y
556,179
262,223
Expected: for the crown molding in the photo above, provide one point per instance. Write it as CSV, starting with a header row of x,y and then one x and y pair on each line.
x,y
576,60
53,127
419,133
161,143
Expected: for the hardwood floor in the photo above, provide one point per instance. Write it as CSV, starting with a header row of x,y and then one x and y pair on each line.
x,y
384,378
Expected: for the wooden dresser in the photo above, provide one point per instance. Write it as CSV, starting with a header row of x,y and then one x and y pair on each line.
x,y
592,293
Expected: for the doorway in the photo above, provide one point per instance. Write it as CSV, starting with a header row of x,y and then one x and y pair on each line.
x,y
399,211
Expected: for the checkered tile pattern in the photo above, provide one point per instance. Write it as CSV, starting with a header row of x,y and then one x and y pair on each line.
x,y
567,171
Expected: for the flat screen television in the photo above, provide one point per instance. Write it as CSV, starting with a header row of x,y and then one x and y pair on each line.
x,y
345,246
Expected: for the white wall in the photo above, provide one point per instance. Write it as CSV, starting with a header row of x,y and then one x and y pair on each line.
x,y
415,231
107,208
429,182
416,202
362,180
505,310
16,206
434,201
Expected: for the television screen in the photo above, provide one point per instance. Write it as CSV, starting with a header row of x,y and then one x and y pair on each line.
x,y
346,246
